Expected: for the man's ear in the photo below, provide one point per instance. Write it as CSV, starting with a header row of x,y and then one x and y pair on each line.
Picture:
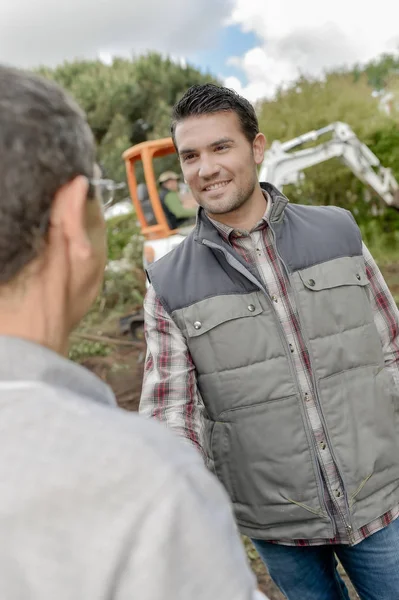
x,y
68,213
258,147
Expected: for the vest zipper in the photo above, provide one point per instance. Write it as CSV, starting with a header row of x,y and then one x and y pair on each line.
x,y
233,262
346,522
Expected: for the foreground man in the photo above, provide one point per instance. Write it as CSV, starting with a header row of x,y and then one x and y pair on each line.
x,y
94,503
273,346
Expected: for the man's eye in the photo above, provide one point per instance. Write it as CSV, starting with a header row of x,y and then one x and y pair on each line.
x,y
187,157
222,147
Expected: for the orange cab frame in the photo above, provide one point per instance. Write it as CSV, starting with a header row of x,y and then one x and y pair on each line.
x,y
146,152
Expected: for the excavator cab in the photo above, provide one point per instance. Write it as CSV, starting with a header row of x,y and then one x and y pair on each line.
x,y
159,238
145,196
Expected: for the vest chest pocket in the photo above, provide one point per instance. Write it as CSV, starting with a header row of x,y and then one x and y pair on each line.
x,y
347,271
334,296
208,314
222,331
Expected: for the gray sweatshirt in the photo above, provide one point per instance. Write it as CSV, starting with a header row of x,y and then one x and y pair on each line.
x,y
100,504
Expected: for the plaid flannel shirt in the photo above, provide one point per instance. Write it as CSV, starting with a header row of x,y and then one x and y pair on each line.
x,y
170,393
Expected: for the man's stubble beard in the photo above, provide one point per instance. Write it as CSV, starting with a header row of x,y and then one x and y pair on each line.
x,y
231,204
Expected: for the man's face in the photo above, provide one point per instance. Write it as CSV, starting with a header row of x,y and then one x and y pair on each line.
x,y
172,185
218,162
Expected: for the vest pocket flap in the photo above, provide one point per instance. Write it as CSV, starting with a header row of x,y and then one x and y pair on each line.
x,y
208,314
335,273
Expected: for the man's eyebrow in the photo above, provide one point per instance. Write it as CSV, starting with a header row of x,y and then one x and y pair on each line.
x,y
223,140
186,151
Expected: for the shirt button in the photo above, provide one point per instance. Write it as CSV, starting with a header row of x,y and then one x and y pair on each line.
x,y
358,277
311,282
307,397
291,348
323,445
337,493
251,308
274,298
197,325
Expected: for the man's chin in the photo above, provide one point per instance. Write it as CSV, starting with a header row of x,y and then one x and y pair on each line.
x,y
220,208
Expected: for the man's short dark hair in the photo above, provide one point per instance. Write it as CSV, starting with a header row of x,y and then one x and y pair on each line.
x,y
208,99
45,142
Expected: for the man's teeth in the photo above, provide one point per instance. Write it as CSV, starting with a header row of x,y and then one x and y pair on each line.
x,y
216,186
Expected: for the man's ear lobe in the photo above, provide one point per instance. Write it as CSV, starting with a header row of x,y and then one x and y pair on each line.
x,y
69,213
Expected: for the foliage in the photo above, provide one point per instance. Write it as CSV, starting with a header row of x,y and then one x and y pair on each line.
x,y
124,278
131,100
383,245
124,281
128,101
313,103
385,143
122,292
121,289
83,349
121,231
379,70
343,96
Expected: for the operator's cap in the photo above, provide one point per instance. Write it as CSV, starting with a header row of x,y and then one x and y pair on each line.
x,y
166,175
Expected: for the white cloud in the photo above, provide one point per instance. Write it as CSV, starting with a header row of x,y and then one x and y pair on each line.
x,y
309,37
252,91
34,32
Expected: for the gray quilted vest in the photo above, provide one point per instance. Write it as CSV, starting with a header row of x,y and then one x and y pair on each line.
x,y
257,435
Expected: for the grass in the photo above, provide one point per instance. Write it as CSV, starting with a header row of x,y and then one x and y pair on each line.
x,y
83,349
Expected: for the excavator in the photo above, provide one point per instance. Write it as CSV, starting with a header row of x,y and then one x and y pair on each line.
x,y
284,164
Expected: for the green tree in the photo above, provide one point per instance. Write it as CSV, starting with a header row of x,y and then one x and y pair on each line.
x,y
312,104
379,70
128,101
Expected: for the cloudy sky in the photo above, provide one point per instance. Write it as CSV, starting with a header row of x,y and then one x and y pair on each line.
x,y
252,45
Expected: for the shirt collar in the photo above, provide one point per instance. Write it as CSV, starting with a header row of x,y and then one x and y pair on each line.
x,y
228,232
25,361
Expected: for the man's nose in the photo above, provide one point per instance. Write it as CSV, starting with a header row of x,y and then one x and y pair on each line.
x,y
208,168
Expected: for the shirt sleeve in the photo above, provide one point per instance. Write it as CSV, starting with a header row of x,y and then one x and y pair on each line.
x,y
188,546
175,206
386,314
169,392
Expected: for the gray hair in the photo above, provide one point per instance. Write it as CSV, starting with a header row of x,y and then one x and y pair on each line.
x,y
45,142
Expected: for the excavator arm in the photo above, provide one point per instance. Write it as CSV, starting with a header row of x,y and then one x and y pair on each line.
x,y
281,166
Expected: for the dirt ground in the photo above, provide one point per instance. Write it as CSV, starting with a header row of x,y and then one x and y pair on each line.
x,y
123,371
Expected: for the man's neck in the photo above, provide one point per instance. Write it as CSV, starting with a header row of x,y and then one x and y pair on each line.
x,y
34,317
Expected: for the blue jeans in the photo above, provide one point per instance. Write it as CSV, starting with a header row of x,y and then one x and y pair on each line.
x,y
309,572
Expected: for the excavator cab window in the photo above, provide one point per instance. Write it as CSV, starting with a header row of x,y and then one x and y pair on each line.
x,y
144,199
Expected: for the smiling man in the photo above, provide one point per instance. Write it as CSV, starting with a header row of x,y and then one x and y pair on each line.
x,y
221,169
273,348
